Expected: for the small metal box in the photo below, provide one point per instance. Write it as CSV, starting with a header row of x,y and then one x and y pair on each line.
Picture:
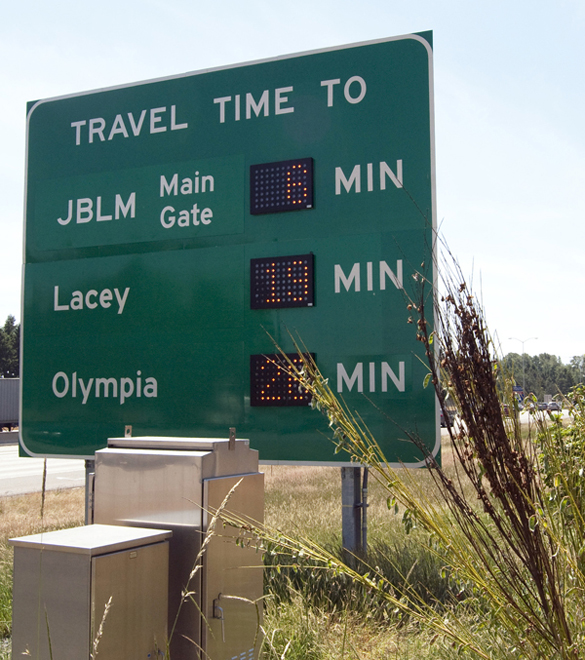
x,y
64,580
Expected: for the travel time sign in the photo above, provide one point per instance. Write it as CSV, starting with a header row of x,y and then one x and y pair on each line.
x,y
174,227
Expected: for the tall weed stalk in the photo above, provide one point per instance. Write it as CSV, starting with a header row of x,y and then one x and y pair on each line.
x,y
513,548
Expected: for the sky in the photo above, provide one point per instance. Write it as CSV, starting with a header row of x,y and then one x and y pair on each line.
x,y
509,100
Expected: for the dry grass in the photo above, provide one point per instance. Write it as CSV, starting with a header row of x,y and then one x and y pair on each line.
x,y
306,500
20,514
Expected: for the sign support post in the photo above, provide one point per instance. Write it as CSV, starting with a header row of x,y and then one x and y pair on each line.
x,y
351,512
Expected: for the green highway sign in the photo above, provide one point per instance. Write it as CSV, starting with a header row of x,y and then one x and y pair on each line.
x,y
172,224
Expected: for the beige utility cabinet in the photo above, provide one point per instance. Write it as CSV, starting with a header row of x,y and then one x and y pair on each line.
x,y
63,581
177,484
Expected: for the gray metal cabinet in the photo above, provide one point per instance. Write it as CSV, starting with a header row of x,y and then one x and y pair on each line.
x,y
64,580
232,580
177,483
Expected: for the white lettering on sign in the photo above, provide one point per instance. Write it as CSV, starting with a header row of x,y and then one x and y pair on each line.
x,y
189,185
97,129
355,178
85,210
354,89
193,215
91,299
118,388
357,377
354,277
253,106
169,217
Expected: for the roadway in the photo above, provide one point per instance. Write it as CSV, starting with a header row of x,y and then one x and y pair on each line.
x,y
25,475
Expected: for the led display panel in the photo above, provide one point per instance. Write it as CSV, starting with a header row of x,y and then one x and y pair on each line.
x,y
277,282
283,186
271,381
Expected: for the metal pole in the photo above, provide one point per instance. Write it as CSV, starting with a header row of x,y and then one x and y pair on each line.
x,y
89,478
365,512
351,516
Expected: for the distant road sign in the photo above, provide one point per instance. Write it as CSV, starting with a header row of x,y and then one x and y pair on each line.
x,y
170,224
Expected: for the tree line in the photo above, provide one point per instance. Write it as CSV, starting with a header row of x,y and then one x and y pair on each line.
x,y
545,374
10,349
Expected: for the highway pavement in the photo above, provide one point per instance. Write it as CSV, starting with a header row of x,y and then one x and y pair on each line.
x,y
25,475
